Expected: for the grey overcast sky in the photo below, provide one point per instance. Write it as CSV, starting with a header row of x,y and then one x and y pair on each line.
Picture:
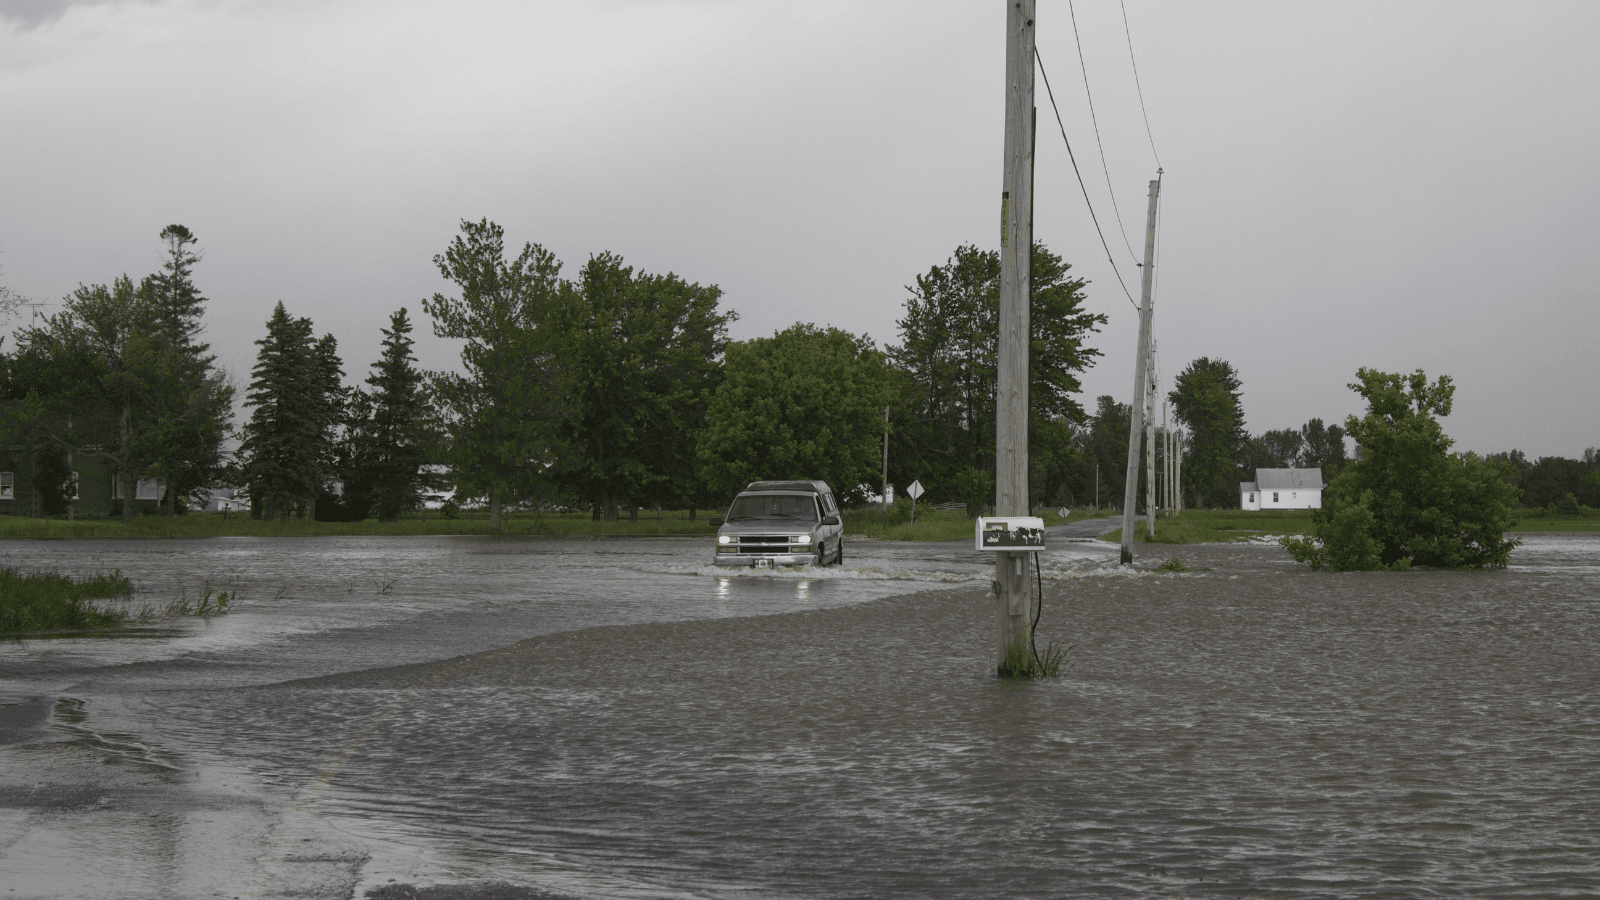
x,y
1393,185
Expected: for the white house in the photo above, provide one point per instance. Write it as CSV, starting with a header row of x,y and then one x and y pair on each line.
x,y
1282,489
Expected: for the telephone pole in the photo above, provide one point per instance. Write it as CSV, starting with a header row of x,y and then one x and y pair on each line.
x,y
1013,572
883,505
1150,449
1140,366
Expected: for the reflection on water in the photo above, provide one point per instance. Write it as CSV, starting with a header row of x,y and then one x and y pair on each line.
x,y
1253,729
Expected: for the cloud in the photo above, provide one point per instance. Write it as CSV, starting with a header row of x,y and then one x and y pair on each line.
x,y
26,15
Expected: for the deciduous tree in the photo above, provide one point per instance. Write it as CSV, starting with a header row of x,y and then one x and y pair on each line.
x,y
948,350
503,410
805,403
1206,398
1408,499
639,356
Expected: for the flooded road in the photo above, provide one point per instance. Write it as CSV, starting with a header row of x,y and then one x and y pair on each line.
x,y
464,717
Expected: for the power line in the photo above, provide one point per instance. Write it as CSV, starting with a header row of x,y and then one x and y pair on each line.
x,y
1096,219
1129,32
1082,64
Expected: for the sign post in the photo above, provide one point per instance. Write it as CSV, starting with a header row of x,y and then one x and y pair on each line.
x,y
915,491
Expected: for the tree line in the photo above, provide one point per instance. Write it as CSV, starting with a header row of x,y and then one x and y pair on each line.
x,y
612,390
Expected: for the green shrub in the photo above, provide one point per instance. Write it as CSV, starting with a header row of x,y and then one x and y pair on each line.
x,y
52,602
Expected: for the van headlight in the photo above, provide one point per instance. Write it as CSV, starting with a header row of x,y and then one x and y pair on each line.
x,y
802,539
724,538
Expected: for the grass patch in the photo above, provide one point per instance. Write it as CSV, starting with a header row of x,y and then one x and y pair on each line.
x,y
1554,523
48,601
1220,526
1022,662
202,525
895,525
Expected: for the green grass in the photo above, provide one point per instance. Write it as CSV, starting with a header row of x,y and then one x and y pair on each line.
x,y
1219,526
1555,523
932,524
200,525
47,601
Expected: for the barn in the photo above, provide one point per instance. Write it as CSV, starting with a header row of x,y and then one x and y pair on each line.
x,y
1282,489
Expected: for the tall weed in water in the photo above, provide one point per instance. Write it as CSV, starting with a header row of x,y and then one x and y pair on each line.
x,y
1023,662
48,601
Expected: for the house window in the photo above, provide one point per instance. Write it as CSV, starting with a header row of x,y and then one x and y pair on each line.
x,y
1274,496
1294,495
1252,498
144,488
7,486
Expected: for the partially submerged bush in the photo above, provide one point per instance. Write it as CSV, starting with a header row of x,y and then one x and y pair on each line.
x,y
1408,500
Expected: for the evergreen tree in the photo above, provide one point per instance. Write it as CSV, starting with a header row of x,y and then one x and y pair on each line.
x,y
191,399
389,433
297,398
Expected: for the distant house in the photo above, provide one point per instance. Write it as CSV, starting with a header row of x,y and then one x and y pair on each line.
x,y
1282,489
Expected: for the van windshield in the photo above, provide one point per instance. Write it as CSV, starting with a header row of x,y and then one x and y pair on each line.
x,y
785,507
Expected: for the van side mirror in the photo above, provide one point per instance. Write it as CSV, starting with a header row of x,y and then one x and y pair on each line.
x,y
715,523
831,520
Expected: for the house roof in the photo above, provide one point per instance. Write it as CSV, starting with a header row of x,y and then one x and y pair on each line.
x,y
1247,487
1288,479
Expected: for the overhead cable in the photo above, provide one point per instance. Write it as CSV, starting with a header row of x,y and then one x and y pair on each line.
x,y
1129,32
1096,219
1082,64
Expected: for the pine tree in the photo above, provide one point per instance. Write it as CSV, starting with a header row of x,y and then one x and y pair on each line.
x,y
389,430
297,396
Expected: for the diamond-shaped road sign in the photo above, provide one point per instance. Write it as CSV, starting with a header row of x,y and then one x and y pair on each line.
x,y
915,490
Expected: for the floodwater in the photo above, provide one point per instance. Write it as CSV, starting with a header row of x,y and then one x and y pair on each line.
x,y
446,717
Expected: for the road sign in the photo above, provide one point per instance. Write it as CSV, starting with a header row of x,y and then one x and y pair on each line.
x,y
915,490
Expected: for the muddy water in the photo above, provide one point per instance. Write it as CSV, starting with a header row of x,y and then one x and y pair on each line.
x,y
1251,729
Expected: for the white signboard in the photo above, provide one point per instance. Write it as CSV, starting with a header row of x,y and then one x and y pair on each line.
x,y
915,490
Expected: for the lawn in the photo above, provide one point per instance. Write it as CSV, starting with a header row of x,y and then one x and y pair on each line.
x,y
1217,526
932,525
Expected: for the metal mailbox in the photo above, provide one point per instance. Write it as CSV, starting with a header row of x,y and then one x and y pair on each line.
x,y
1021,533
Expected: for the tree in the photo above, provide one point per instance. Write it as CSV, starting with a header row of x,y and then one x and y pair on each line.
x,y
191,399
1205,398
118,374
1277,449
297,397
639,356
86,375
1323,447
806,403
388,431
502,411
948,350
1408,500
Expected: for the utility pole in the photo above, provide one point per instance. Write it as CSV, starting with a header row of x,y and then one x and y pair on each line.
x,y
883,504
1013,574
1136,408
1150,451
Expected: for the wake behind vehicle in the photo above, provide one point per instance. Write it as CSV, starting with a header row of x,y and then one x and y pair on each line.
x,y
781,523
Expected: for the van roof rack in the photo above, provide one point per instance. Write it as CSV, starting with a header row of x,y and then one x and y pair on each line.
x,y
813,487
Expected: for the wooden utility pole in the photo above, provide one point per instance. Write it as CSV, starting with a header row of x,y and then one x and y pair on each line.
x,y
1150,449
883,505
1013,572
1136,408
